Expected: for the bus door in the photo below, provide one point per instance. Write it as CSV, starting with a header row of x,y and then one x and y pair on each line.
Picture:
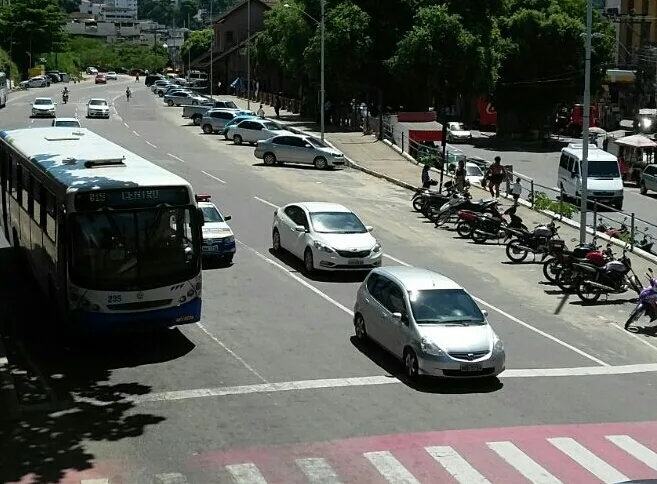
x,y
4,187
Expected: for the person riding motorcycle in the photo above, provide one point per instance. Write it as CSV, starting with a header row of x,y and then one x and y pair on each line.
x,y
65,95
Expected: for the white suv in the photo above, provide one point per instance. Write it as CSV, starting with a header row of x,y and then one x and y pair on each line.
x,y
254,130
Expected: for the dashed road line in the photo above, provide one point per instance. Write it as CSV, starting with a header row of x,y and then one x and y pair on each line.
x,y
135,133
126,125
213,177
176,158
528,326
150,144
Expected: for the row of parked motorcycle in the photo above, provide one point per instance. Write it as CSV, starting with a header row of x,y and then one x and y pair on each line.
x,y
587,270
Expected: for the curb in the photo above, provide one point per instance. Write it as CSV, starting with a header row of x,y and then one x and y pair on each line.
x,y
8,397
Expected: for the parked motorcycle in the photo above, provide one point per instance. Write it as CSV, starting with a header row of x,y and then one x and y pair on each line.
x,y
462,201
568,276
611,231
542,240
561,256
645,305
421,194
646,242
615,277
486,227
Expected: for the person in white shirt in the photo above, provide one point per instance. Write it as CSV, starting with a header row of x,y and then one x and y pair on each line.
x,y
516,191
261,112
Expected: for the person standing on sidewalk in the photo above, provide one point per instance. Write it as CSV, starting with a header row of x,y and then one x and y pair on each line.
x,y
277,106
261,112
496,174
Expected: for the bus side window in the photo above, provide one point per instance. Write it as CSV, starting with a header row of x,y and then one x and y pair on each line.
x,y
28,200
51,217
36,200
12,176
19,184
43,200
563,163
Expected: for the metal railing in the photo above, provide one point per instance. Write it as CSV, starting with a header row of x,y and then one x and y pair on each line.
x,y
633,230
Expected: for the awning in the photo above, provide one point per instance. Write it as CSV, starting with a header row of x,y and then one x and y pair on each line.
x,y
636,141
620,76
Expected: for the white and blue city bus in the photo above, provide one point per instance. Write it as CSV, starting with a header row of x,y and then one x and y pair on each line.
x,y
113,239
4,89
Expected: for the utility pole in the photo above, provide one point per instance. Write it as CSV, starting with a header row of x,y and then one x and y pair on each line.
x,y
211,52
189,51
248,55
322,94
586,121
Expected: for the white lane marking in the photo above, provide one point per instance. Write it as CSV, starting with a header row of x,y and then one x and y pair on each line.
x,y
301,281
126,125
524,464
635,449
95,481
318,471
588,460
390,468
633,335
135,133
232,353
176,158
245,474
456,465
554,339
172,478
150,144
213,177
266,202
366,381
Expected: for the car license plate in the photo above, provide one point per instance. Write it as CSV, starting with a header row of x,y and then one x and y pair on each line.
x,y
355,262
470,366
210,248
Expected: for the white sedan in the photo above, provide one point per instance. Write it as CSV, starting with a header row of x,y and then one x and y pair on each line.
x,y
111,76
98,108
38,81
457,132
44,106
66,123
326,236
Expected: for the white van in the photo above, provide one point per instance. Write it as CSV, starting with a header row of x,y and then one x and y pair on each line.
x,y
604,182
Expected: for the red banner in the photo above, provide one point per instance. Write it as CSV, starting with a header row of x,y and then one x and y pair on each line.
x,y
487,113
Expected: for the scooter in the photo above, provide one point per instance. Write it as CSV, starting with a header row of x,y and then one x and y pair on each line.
x,y
462,201
488,228
646,301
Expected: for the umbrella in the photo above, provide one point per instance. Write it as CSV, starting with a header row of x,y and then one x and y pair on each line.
x,y
636,141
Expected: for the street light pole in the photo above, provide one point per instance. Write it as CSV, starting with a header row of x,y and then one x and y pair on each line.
x,y
211,53
586,122
248,55
322,95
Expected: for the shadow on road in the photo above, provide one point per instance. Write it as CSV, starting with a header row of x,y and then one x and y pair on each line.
x,y
66,396
393,367
502,145
296,266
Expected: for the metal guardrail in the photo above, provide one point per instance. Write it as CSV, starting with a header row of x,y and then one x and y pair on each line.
x,y
538,196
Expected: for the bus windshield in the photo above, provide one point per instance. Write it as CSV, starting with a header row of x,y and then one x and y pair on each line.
x,y
133,250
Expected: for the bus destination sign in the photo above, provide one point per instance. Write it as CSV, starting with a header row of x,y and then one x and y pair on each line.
x,y
131,198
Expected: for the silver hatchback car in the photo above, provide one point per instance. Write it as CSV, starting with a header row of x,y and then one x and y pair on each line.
x,y
429,322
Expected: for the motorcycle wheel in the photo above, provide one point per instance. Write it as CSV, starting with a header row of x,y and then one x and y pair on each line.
x,y
464,229
551,269
514,252
478,237
635,284
567,280
634,316
587,293
432,214
418,202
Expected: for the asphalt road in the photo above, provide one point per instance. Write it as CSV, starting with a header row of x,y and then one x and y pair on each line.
x,y
541,165
272,377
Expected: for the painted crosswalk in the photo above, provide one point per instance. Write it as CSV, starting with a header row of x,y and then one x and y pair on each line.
x,y
595,453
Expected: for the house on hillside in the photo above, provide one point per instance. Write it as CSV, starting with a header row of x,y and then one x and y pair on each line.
x,y
231,35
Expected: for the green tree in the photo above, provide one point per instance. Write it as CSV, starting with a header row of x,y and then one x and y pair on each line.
x,y
69,6
7,66
197,43
160,11
34,26
544,60
91,52
430,57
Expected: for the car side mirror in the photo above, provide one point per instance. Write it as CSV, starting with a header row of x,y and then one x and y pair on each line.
x,y
401,317
485,313
55,104
228,217
369,228
300,228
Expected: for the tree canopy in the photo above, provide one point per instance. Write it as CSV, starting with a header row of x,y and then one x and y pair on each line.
x,y
91,52
527,55
167,13
197,43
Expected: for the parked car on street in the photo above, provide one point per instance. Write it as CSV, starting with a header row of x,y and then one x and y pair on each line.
x,y
195,113
37,81
648,179
182,98
457,131
214,120
296,148
254,130
236,120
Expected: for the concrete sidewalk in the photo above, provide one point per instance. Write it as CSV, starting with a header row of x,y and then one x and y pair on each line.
x,y
382,160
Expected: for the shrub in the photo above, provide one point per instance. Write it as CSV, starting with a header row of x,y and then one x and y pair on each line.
x,y
543,202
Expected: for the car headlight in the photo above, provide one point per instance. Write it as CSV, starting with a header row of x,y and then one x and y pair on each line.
x,y
376,248
619,193
429,348
323,247
230,238
498,347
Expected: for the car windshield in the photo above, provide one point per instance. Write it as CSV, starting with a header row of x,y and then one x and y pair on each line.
x,y
474,171
456,126
444,306
230,105
272,126
42,102
134,249
337,223
67,124
97,102
603,169
211,214
315,142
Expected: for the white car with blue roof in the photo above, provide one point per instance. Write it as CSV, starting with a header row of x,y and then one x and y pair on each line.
x,y
218,237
